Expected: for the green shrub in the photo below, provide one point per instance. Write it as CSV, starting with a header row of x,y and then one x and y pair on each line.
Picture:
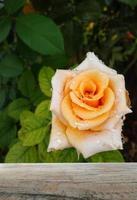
x,y
36,38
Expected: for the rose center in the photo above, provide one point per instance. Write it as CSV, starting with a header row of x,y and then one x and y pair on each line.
x,y
88,93
87,88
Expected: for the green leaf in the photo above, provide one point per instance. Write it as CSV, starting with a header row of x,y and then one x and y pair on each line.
x,y
60,156
37,96
16,107
7,130
43,111
33,129
131,3
11,66
45,76
26,52
14,141
24,117
108,156
5,25
56,61
12,6
27,83
40,33
12,93
20,154
2,97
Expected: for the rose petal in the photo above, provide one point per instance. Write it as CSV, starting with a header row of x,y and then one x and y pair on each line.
x,y
87,85
87,90
77,101
92,62
74,121
67,86
100,79
117,84
121,108
58,138
58,82
89,143
107,105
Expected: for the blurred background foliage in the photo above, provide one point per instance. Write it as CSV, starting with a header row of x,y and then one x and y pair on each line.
x,y
58,33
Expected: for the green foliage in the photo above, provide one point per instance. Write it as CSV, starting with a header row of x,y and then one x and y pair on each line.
x,y
21,154
46,37
2,97
17,106
12,6
56,61
45,76
62,156
42,110
109,156
7,130
33,128
56,34
89,10
67,155
11,66
27,83
132,3
37,96
5,25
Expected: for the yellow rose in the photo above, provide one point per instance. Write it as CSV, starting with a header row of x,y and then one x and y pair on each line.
x,y
88,105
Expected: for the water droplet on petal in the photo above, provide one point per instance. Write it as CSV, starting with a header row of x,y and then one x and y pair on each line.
x,y
123,117
98,141
58,141
117,116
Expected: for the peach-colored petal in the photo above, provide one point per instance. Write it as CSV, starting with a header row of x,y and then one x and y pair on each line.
x,y
117,83
58,82
87,86
120,108
67,85
100,79
58,138
76,122
108,99
86,92
89,143
91,102
76,100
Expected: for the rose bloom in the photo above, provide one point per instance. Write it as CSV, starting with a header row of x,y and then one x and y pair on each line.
x,y
88,107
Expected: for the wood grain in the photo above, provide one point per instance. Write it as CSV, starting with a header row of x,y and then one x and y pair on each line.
x,y
68,181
